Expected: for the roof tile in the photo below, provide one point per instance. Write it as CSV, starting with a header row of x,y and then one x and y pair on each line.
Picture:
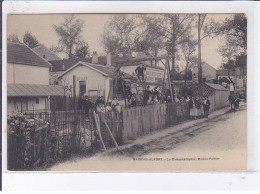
x,y
21,54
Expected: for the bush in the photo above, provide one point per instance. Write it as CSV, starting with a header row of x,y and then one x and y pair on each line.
x,y
21,130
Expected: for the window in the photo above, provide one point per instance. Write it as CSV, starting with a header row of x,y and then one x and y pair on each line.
x,y
82,87
37,100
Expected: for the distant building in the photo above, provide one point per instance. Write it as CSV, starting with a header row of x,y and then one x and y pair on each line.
x,y
223,77
238,75
45,53
209,73
28,86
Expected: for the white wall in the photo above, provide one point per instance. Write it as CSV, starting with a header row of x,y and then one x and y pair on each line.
x,y
28,104
208,72
94,80
27,74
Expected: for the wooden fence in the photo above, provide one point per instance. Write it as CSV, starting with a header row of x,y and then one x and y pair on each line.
x,y
143,120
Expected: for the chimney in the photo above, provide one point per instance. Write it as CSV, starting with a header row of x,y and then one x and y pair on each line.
x,y
94,57
109,62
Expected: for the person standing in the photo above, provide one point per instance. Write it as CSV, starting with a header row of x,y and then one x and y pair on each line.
x,y
140,71
190,106
206,106
231,100
133,101
146,97
198,107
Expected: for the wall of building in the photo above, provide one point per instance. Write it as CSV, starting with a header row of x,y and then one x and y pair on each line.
x,y
27,74
94,80
28,104
208,72
151,74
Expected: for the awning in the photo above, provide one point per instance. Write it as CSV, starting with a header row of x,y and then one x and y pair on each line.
x,y
34,90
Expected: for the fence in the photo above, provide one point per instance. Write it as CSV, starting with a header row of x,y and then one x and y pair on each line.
x,y
143,120
69,132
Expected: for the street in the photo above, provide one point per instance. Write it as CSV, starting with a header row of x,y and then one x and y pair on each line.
x,y
218,142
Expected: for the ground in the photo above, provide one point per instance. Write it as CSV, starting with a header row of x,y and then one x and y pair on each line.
x,y
216,143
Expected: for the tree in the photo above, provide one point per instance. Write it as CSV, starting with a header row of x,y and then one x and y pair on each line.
x,y
205,30
149,41
188,48
13,38
69,32
30,40
176,29
82,50
234,30
119,35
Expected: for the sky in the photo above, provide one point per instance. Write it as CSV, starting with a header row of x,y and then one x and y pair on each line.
x,y
42,27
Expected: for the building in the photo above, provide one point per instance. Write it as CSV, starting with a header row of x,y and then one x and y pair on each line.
x,y
224,78
45,53
28,86
238,75
209,73
60,66
91,79
217,94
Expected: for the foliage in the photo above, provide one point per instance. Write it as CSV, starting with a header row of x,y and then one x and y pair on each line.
x,y
13,38
188,48
69,32
21,129
30,40
119,35
19,121
234,30
176,29
82,49
149,40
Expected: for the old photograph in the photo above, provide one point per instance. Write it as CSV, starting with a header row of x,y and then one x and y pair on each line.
x,y
126,92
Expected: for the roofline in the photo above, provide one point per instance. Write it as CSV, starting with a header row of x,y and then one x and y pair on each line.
x,y
40,56
214,88
33,52
13,62
83,63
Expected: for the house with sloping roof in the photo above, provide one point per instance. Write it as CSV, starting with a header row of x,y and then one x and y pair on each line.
x,y
93,80
209,73
45,53
28,86
153,73
217,94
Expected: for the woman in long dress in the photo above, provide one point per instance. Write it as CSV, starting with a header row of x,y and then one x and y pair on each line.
x,y
193,110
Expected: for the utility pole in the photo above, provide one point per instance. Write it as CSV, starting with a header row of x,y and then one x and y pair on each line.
x,y
199,51
169,79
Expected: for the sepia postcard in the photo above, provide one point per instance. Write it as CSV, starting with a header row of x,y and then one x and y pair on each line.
x,y
126,92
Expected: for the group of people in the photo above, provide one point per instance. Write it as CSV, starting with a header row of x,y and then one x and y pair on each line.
x,y
199,107
151,96
86,104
